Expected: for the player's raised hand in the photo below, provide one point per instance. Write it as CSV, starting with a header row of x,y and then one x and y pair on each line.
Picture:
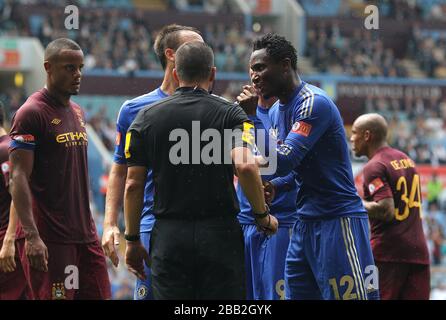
x,y
248,100
37,253
110,241
7,253
135,255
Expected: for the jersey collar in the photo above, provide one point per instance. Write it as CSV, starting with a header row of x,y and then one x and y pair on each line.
x,y
161,93
293,96
191,89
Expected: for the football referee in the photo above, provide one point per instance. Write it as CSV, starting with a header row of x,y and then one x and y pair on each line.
x,y
197,249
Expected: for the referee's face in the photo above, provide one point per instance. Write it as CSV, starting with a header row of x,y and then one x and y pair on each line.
x,y
265,74
65,71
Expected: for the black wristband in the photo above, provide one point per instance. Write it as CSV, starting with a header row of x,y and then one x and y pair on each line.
x,y
262,215
131,238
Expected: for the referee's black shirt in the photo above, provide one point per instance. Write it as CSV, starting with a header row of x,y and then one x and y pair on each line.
x,y
166,137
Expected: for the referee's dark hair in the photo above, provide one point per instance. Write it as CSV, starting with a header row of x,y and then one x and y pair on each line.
x,y
169,37
277,47
2,114
194,61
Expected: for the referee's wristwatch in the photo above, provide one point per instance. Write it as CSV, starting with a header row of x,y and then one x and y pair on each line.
x,y
131,237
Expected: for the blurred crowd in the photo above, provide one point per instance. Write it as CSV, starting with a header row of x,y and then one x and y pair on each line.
x,y
121,40
362,54
434,219
209,6
428,49
103,125
400,10
417,126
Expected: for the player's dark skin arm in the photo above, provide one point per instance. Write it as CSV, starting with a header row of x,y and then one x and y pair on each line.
x,y
383,210
22,164
133,204
251,183
113,201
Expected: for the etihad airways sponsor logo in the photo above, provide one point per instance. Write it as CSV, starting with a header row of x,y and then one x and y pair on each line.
x,y
72,138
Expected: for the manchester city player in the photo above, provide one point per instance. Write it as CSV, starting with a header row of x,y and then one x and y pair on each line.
x,y
329,256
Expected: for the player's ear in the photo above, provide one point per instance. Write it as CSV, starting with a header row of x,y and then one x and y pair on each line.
x,y
367,135
175,75
170,55
286,65
47,66
213,74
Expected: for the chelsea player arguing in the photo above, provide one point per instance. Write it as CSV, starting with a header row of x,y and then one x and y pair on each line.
x,y
329,256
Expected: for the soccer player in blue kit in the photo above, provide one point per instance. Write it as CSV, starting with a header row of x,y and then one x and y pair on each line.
x,y
329,256
265,255
168,40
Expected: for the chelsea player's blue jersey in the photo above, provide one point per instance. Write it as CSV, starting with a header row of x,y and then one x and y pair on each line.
x,y
312,143
127,114
283,206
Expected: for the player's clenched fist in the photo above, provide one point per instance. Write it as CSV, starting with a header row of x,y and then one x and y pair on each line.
x,y
37,253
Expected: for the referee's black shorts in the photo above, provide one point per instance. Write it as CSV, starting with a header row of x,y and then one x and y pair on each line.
x,y
198,259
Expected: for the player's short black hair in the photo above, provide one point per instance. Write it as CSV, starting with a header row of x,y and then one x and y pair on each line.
x,y
194,61
277,47
55,46
2,114
169,37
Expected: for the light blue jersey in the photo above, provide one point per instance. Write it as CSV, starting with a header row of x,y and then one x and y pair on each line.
x,y
127,114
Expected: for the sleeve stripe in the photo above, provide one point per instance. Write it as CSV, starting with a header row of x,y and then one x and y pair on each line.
x,y
304,93
307,107
311,103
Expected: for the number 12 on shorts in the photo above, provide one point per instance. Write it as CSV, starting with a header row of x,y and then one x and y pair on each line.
x,y
347,282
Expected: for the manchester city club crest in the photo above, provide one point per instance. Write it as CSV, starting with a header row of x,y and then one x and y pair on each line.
x,y
58,291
